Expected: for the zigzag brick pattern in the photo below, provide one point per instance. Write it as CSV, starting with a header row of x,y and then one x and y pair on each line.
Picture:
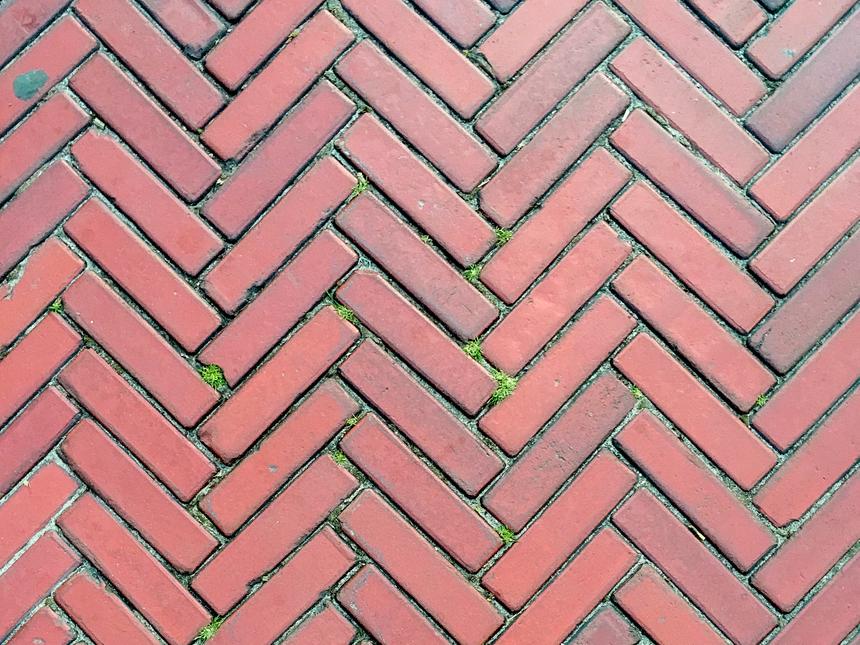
x,y
429,321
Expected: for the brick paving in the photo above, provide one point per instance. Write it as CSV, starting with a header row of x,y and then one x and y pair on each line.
x,y
429,321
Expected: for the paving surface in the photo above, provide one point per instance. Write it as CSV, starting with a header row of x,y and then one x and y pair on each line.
x,y
429,321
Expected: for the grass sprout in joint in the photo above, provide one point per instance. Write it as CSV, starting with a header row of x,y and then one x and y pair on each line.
x,y
505,386
361,185
473,349
210,630
213,375
503,236
56,306
472,274
506,534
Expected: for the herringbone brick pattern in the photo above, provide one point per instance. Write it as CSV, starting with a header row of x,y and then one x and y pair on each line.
x,y
428,321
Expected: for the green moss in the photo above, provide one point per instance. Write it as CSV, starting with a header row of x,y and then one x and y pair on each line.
x,y
340,458
345,312
760,401
353,420
213,375
473,349
473,273
503,236
210,630
505,386
506,534
637,393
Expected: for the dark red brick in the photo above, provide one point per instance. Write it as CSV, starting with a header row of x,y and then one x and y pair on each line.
x,y
696,411
416,189
278,159
560,142
437,135
421,417
550,228
399,549
557,375
572,281
691,566
137,424
136,574
136,345
795,327
567,443
143,125
417,339
291,516
425,274
140,196
277,384
283,302
689,254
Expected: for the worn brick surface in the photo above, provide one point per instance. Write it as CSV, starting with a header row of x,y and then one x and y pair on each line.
x,y
429,321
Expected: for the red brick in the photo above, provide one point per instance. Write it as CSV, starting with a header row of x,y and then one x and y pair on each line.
x,y
435,133
813,388
289,593
31,435
140,427
571,282
118,480
136,345
277,160
43,628
736,20
290,73
722,141
328,626
465,21
661,611
559,531
411,561
811,160
677,243
572,595
422,418
555,456
525,32
812,232
831,615
423,50
47,272
420,493
695,490
695,411
292,515
550,228
142,274
31,577
560,142
557,375
383,611
417,190
261,31
801,561
33,361
248,486
32,506
153,58
811,310
607,627
147,202
100,613
27,219
142,124
690,565
795,32
190,22
280,305
811,88
698,51
57,52
726,363
815,467
717,205
21,19
38,139
579,50
425,274
277,384
280,232
417,340
136,574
